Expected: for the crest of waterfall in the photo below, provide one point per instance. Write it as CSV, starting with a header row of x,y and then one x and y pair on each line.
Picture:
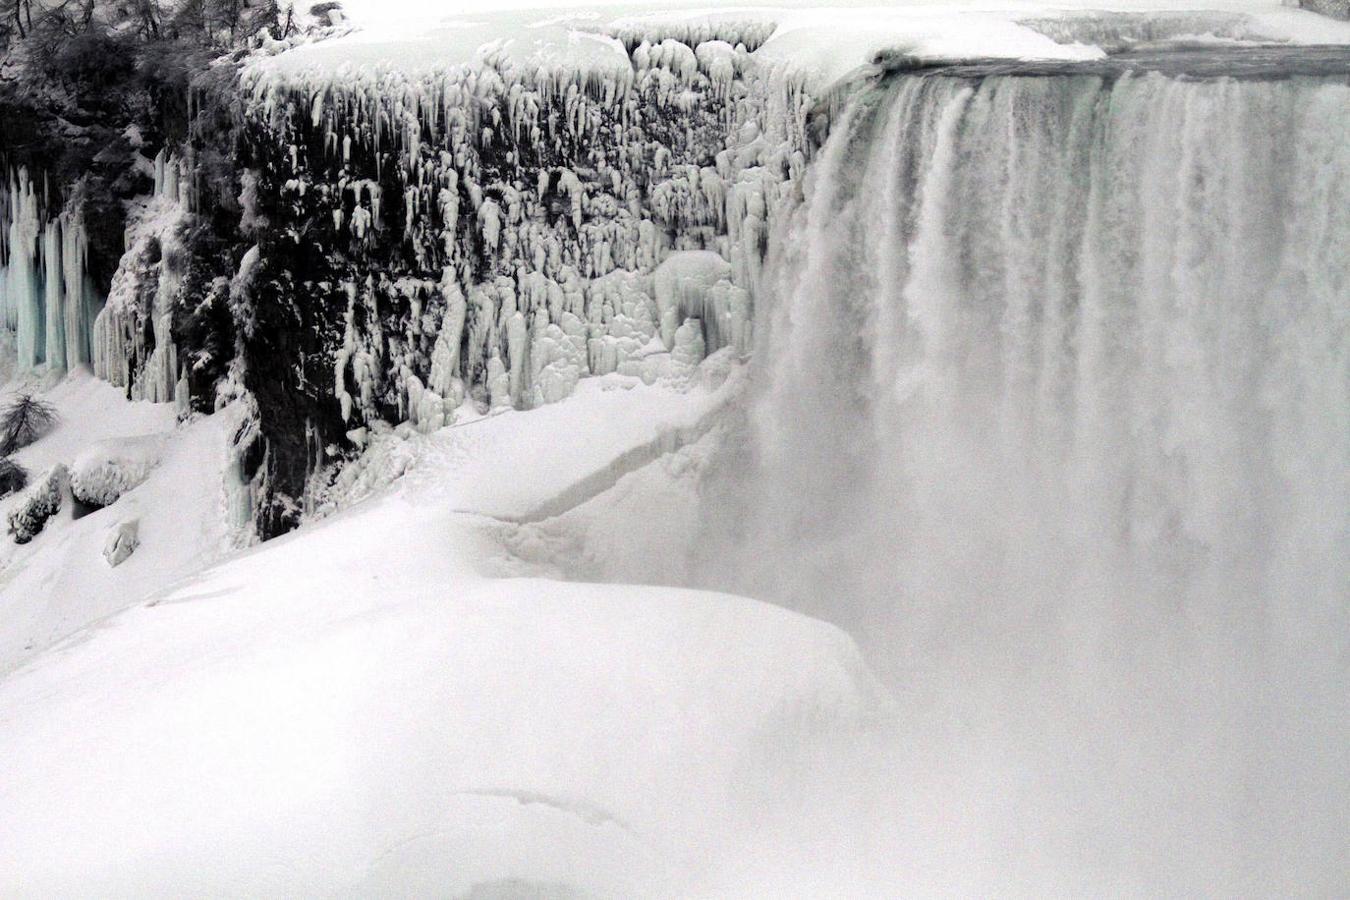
x,y
1051,409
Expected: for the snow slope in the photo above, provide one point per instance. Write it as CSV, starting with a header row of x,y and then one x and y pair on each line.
x,y
61,582
357,708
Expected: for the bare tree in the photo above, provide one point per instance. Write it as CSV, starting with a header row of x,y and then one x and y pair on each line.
x,y
23,421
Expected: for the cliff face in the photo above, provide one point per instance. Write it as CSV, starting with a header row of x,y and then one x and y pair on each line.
x,y
388,246
491,234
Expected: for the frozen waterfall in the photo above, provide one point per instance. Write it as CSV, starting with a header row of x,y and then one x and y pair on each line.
x,y
1052,411
47,297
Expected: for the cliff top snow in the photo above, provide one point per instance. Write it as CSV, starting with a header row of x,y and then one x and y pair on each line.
x,y
823,43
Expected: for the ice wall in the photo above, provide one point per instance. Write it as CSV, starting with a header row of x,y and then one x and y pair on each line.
x,y
1053,417
47,298
494,230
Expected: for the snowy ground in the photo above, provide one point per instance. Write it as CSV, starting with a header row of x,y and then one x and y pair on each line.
x,y
358,707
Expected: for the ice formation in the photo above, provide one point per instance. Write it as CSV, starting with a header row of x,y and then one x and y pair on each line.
x,y
132,335
510,226
47,298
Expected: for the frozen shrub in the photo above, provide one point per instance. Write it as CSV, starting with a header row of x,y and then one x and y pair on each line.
x,y
38,503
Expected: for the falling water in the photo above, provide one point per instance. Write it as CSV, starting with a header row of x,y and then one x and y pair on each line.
x,y
1053,414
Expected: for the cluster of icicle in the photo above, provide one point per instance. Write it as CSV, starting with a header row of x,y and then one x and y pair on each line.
x,y
144,289
561,223
47,299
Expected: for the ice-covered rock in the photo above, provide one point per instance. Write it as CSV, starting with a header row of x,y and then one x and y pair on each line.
x,y
525,208
123,539
132,337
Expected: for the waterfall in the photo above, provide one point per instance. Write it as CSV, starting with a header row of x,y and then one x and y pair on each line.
x,y
1051,412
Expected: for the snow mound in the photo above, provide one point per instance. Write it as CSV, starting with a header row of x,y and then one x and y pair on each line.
x,y
361,708
108,469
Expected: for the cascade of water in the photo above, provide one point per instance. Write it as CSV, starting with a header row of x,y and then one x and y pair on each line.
x,y
1052,413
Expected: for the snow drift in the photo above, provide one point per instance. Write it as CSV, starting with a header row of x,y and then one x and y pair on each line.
x,y
356,708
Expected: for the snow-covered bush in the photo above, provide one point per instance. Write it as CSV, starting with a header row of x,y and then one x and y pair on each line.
x,y
13,476
24,420
108,469
38,503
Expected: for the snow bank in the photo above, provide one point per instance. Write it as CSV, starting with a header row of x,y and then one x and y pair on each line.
x,y
90,410
108,469
540,46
